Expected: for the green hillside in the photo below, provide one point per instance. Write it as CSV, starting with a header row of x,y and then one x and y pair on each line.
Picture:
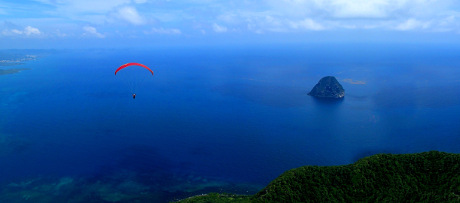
x,y
428,177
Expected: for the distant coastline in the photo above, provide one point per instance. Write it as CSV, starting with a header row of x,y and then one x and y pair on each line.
x,y
12,70
18,61
15,62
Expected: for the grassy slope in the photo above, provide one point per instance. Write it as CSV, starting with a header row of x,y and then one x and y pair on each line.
x,y
429,176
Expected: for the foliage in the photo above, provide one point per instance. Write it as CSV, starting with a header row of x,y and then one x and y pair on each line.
x,y
425,177
328,87
429,176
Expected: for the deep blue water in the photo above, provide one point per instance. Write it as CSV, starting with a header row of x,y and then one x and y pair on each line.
x,y
222,119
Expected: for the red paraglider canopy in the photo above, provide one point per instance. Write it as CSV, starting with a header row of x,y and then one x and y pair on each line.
x,y
132,64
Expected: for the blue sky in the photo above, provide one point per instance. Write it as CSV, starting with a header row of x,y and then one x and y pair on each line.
x,y
124,23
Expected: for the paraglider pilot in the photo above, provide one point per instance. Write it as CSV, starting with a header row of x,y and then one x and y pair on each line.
x,y
133,64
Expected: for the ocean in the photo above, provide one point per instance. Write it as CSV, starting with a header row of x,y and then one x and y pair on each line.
x,y
212,119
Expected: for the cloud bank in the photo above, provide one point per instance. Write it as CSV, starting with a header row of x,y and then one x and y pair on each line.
x,y
138,18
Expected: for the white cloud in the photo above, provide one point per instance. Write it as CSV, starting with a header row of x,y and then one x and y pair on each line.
x,y
412,24
431,15
92,31
307,24
219,28
171,31
448,23
73,7
341,8
90,11
27,31
263,16
31,31
60,34
258,22
130,15
360,8
18,32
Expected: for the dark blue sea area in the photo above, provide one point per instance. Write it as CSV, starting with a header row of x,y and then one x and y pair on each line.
x,y
212,119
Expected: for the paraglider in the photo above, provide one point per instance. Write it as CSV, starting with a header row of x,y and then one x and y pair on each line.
x,y
134,76
132,64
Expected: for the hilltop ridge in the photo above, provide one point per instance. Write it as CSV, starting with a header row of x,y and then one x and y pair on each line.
x,y
429,176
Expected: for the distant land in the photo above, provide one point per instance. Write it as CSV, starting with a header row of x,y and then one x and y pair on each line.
x,y
17,60
14,60
328,87
424,177
11,70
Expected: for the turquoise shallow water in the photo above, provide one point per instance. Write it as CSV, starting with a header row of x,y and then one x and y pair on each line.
x,y
215,119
